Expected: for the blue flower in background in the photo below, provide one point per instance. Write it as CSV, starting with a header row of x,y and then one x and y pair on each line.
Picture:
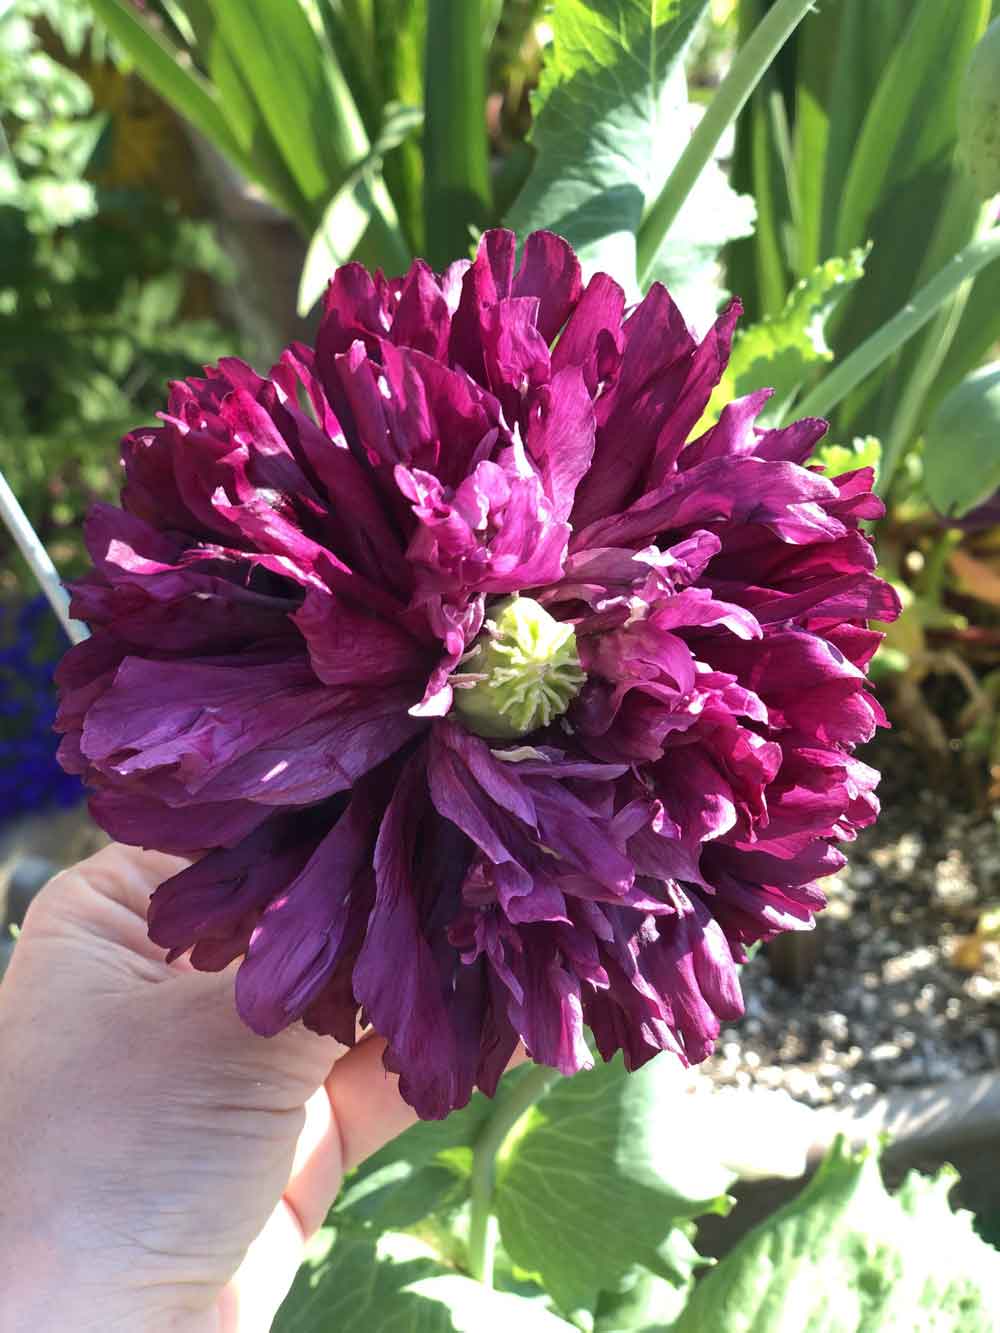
x,y
30,647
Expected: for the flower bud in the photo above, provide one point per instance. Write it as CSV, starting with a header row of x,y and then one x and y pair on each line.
x,y
979,114
524,672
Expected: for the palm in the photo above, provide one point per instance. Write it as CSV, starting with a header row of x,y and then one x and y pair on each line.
x,y
208,1152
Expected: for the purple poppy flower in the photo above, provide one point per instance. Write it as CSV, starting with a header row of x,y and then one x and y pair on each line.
x,y
499,709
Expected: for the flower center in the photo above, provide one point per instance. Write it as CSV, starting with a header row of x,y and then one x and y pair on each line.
x,y
522,671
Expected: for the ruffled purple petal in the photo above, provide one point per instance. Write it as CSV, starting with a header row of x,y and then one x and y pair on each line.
x,y
286,603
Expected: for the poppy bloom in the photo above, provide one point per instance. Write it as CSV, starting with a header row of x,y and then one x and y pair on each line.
x,y
499,709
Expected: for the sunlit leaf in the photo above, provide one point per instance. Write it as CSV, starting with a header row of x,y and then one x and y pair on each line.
x,y
355,1283
781,352
846,1255
606,124
593,1183
962,444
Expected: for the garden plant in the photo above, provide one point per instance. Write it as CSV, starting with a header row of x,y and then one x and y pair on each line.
x,y
500,654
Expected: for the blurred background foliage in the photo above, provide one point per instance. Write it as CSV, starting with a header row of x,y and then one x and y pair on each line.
x,y
106,268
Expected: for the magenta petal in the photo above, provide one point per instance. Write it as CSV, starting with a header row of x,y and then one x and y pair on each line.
x,y
348,642
549,272
297,942
560,437
213,905
395,977
284,611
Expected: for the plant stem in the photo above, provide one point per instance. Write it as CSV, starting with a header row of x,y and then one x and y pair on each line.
x,y
508,1111
935,348
746,71
870,354
39,559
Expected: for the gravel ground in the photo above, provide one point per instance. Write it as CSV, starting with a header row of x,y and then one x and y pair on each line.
x,y
894,987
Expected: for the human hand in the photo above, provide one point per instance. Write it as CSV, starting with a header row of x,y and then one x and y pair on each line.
x,y
161,1164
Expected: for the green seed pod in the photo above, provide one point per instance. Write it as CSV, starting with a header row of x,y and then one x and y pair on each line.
x,y
979,114
528,671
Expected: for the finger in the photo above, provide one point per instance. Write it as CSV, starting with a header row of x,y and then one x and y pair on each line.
x,y
264,1278
366,1102
357,1111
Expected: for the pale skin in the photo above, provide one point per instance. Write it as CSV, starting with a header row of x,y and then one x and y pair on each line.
x,y
161,1165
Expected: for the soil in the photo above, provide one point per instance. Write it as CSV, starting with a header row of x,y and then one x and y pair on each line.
x,y
895,986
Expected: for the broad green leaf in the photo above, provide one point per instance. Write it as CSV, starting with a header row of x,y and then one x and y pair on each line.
x,y
688,261
962,444
978,330
645,1304
847,1257
781,353
425,1160
399,1195
353,1283
606,124
591,1183
159,64
473,1308
298,88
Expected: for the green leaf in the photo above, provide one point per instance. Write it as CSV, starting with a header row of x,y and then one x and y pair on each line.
x,y
353,1283
399,1195
160,65
349,213
400,33
759,268
589,1184
836,459
298,88
457,192
781,352
688,261
350,30
978,330
899,133
845,1255
265,163
902,168
472,1308
605,113
426,1161
645,1304
962,444
847,48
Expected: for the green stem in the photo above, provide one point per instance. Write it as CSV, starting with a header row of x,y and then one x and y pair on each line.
x,y
870,354
456,162
936,569
746,71
521,1097
935,348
